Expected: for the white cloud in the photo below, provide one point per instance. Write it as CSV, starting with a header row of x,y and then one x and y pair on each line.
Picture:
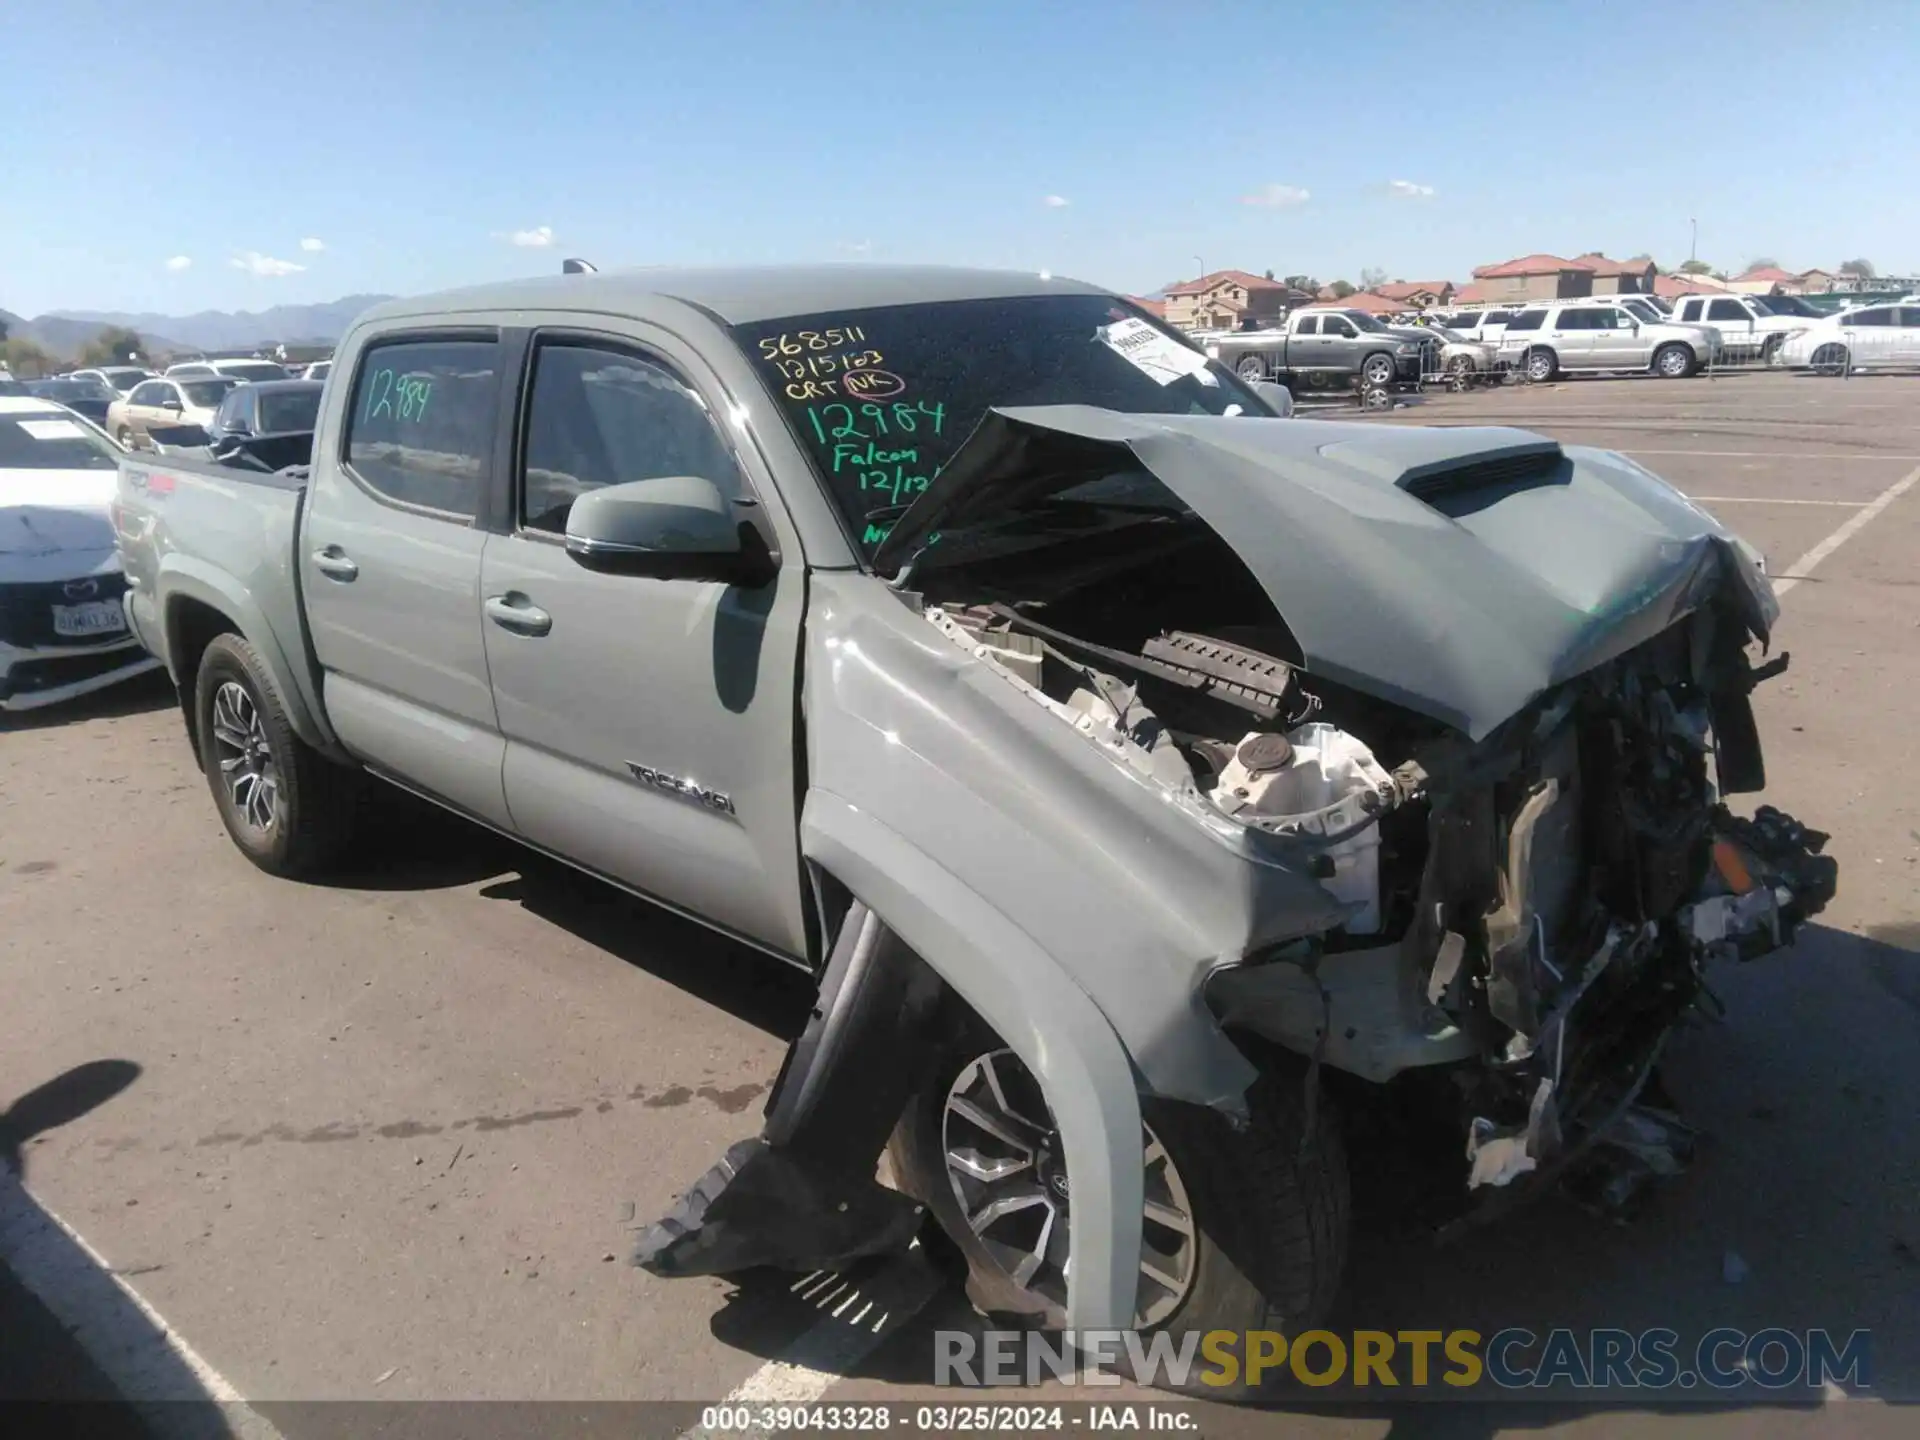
x,y
1055,202
254,263
856,247
312,245
1407,189
537,238
1276,197
179,262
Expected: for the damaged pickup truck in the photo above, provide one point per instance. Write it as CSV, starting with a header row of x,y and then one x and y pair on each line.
x,y
1139,773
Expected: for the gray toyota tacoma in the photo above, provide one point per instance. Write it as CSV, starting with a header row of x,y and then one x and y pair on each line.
x,y
1147,780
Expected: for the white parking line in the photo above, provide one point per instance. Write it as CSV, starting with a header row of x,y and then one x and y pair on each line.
x,y
837,1341
141,1355
1775,500
1804,566
1761,454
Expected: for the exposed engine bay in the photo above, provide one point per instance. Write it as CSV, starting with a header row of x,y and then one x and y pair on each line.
x,y
1527,916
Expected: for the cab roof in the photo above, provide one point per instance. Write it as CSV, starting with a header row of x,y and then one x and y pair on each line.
x,y
741,295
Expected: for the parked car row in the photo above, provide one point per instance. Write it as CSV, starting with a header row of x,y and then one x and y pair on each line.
x,y
63,631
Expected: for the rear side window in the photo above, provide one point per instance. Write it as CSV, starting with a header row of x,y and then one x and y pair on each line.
x,y
151,393
1882,316
1727,310
1690,309
1527,320
421,423
1497,317
1910,317
602,417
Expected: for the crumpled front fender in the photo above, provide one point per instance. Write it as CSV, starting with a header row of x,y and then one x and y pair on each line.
x,y
1047,1020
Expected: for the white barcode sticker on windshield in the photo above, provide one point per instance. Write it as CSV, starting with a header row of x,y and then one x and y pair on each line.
x,y
1157,356
53,430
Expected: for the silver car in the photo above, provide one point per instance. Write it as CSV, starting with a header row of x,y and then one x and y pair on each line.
x,y
1593,336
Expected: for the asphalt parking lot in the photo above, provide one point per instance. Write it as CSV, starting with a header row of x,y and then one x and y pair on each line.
x,y
387,1139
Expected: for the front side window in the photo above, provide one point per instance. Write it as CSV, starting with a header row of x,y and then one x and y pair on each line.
x,y
205,394
421,422
231,410
1880,316
149,394
1338,325
1497,317
1909,317
602,417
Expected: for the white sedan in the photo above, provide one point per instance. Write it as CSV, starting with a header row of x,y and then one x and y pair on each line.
x,y
62,630
1869,337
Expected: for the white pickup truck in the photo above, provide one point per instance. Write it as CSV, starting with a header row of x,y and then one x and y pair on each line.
x,y
1748,329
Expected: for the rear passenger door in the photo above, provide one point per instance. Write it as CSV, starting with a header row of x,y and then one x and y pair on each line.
x,y
649,721
390,563
1572,333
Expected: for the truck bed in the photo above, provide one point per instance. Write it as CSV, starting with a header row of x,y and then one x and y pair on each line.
x,y
201,540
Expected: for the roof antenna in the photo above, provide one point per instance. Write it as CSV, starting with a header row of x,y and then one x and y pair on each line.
x,y
578,267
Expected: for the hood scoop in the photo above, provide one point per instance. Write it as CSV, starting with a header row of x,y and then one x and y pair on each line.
x,y
1406,460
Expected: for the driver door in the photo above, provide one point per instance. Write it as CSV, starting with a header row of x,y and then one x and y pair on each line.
x,y
649,721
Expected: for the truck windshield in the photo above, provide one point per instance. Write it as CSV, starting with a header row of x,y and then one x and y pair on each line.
x,y
880,399
54,440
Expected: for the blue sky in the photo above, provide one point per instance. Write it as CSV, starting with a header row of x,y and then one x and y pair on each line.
x,y
404,147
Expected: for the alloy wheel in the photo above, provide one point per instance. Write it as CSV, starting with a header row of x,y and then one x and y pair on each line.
x,y
245,757
1008,1171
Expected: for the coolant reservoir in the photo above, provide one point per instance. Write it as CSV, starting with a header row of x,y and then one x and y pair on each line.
x,y
1316,780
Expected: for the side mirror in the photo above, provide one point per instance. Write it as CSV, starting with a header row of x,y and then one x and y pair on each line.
x,y
1278,397
672,526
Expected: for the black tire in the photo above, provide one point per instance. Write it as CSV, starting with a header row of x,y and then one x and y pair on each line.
x,y
1541,365
296,816
1461,376
1270,1222
125,436
1831,360
1251,367
1378,371
1675,361
1770,352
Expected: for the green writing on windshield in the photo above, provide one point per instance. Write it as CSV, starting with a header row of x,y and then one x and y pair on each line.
x,y
401,397
876,421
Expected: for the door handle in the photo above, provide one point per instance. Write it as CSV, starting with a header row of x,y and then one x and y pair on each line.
x,y
513,611
332,562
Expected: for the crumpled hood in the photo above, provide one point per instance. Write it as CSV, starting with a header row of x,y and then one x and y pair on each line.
x,y
1459,572
47,512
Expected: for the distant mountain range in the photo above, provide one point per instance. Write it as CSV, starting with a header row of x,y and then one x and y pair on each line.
x,y
64,331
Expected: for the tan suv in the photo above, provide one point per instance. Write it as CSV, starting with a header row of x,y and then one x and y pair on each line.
x,y
163,402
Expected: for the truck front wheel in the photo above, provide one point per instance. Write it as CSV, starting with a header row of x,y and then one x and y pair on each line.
x,y
1252,367
1378,371
286,806
1242,1230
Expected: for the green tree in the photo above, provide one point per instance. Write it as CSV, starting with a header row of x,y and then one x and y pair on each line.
x,y
1304,283
1695,267
1341,289
1763,262
1859,269
1371,276
115,345
25,360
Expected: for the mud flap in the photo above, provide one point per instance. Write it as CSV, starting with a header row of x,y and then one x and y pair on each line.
x,y
802,1194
